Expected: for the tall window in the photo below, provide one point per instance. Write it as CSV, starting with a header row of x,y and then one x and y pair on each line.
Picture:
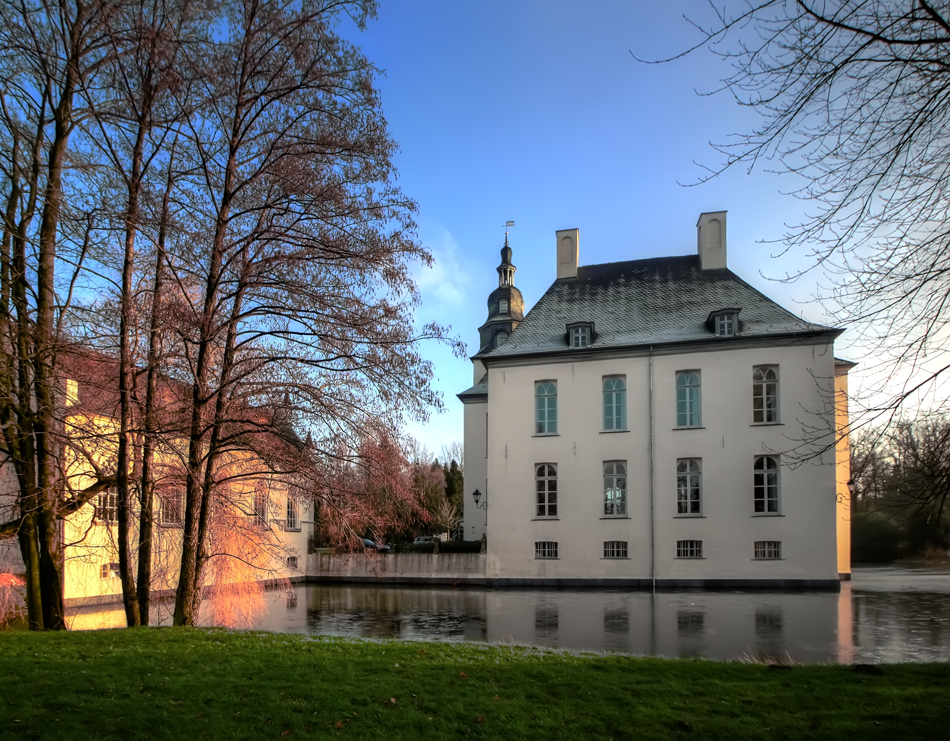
x,y
580,336
615,403
764,394
260,502
765,484
545,549
502,306
106,508
615,488
689,549
172,507
687,399
293,515
689,486
545,405
546,483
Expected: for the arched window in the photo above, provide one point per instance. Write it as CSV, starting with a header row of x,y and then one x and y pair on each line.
x,y
545,477
261,498
765,485
545,405
688,399
615,403
689,486
615,489
764,394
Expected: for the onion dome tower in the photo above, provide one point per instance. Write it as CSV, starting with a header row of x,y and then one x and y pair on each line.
x,y
505,305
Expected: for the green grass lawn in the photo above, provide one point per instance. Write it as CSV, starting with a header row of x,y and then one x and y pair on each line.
x,y
193,684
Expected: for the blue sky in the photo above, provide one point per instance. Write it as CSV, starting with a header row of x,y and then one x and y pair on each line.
x,y
536,111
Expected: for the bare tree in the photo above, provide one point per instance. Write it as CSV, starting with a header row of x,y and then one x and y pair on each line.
x,y
454,451
302,258
49,53
233,187
854,101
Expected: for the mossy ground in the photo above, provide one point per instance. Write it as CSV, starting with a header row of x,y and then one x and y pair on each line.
x,y
194,684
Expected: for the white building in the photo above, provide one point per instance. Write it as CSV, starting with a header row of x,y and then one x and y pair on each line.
x,y
656,422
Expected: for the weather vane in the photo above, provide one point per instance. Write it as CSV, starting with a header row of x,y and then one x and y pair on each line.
x,y
508,224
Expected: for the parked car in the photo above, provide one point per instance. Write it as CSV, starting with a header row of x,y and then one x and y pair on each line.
x,y
423,539
371,546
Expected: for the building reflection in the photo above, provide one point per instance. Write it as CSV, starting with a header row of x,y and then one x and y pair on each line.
x,y
849,626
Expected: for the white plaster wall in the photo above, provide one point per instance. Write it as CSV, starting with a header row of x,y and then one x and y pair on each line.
x,y
476,471
727,446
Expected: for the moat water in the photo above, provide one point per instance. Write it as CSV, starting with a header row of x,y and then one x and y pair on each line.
x,y
885,614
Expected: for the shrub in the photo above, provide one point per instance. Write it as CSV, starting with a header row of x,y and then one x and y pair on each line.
x,y
875,538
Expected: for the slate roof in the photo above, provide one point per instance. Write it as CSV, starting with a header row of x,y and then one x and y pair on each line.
x,y
478,391
658,301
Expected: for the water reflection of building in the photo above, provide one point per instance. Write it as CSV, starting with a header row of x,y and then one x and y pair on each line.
x,y
852,625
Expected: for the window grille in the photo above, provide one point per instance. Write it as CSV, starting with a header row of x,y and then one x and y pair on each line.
x,y
545,549
768,550
689,549
615,549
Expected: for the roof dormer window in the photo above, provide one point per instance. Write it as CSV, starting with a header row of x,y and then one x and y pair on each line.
x,y
580,334
724,322
503,306
725,325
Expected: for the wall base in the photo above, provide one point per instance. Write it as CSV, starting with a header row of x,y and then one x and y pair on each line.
x,y
831,585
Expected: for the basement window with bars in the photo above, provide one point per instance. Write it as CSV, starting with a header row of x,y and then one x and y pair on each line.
x,y
615,549
768,550
545,549
689,549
